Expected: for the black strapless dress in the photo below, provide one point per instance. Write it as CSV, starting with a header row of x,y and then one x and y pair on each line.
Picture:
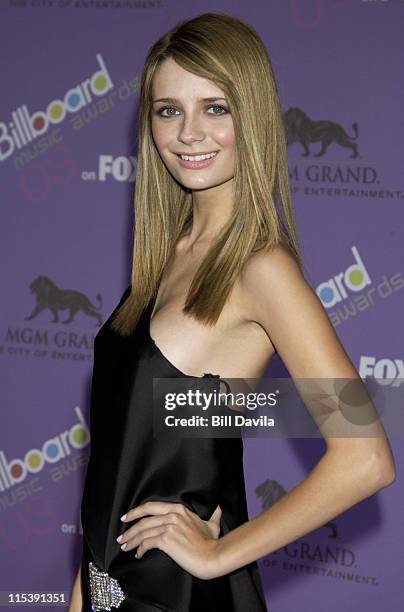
x,y
128,466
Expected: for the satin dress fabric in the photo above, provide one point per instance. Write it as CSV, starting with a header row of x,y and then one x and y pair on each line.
x,y
129,466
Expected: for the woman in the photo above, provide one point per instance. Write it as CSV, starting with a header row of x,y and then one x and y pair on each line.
x,y
217,288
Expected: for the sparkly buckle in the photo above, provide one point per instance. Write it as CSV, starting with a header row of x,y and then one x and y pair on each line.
x,y
105,591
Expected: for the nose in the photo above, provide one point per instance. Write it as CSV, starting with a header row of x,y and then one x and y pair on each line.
x,y
191,130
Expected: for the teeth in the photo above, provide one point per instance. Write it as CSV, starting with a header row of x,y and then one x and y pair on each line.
x,y
198,157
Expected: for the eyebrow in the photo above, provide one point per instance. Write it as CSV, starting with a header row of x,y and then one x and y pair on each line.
x,y
175,100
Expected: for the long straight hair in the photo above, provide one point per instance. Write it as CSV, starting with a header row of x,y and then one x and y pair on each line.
x,y
229,53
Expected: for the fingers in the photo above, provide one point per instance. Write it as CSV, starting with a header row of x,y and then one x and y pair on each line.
x,y
151,535
145,523
216,514
171,518
150,542
153,507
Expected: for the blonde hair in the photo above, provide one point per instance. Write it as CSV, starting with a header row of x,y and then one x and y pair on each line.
x,y
229,53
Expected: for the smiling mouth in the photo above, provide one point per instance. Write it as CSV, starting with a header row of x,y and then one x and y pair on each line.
x,y
197,158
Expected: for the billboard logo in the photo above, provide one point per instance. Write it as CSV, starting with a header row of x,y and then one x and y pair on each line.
x,y
354,278
53,450
26,126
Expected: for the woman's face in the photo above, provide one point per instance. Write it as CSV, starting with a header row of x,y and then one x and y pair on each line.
x,y
185,123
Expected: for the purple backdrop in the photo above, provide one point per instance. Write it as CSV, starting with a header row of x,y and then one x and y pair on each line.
x,y
67,158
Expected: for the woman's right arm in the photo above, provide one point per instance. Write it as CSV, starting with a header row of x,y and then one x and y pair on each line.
x,y
76,601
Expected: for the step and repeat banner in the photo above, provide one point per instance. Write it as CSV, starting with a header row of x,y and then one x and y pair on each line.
x,y
70,84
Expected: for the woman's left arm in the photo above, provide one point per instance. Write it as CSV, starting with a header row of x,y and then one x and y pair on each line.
x,y
352,468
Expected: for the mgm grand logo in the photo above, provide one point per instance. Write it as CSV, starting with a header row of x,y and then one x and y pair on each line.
x,y
55,329
50,297
320,138
271,490
300,128
315,554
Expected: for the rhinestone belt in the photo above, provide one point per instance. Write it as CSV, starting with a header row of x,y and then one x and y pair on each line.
x,y
105,591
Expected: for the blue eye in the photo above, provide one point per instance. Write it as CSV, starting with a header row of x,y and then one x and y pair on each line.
x,y
169,108
217,106
163,108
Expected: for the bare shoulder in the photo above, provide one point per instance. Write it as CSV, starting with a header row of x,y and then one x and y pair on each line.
x,y
269,276
273,264
281,300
